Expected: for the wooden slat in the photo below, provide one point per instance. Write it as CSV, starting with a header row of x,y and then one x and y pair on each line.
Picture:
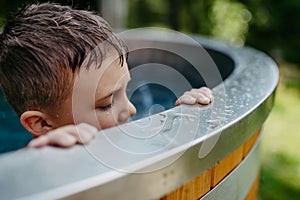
x,y
224,167
193,189
249,143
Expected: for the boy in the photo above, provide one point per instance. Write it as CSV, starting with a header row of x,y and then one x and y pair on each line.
x,y
65,74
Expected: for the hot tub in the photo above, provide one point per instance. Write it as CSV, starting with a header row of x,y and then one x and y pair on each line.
x,y
186,152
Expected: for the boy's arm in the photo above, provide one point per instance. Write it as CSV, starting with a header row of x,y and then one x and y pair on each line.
x,y
202,95
65,136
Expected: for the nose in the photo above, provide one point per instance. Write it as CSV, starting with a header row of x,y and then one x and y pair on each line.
x,y
128,112
132,109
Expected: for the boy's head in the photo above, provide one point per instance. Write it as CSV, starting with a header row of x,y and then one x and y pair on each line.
x,y
44,49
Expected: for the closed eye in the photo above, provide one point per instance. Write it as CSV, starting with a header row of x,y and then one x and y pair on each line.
x,y
105,107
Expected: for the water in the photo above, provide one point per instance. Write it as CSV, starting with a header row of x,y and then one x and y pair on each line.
x,y
151,99
12,134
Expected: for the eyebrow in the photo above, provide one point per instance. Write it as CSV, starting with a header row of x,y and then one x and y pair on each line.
x,y
99,101
107,96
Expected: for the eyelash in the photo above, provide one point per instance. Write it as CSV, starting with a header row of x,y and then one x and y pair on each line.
x,y
106,107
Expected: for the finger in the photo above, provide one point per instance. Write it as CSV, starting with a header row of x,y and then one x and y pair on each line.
x,y
186,99
72,134
202,98
62,139
207,92
204,90
84,133
198,96
39,142
203,95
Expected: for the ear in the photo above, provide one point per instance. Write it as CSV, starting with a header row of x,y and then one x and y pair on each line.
x,y
36,122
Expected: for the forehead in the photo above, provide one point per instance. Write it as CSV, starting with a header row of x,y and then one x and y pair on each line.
x,y
112,78
98,81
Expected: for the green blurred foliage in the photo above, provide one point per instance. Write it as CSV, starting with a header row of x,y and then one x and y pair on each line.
x,y
275,27
188,16
278,179
230,21
271,26
280,155
222,19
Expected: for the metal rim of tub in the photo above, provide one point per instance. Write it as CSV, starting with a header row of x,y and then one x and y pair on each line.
x,y
66,173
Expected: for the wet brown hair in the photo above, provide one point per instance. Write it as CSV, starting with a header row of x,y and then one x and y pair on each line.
x,y
42,46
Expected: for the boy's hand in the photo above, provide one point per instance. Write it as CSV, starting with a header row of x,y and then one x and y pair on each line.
x,y
202,95
65,136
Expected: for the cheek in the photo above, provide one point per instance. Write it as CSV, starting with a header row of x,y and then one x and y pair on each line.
x,y
60,120
105,120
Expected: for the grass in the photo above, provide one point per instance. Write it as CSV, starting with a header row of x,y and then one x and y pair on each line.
x,y
280,174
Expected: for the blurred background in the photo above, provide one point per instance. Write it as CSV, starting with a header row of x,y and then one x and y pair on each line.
x,y
269,26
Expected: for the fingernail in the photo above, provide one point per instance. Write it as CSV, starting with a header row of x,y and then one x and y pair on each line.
x,y
205,99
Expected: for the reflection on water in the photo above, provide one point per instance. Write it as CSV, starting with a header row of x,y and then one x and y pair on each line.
x,y
150,99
